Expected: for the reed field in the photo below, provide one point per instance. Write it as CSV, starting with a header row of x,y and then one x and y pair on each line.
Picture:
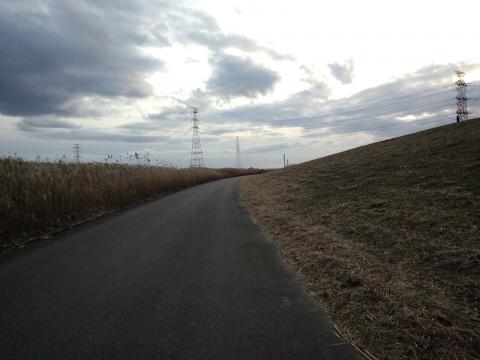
x,y
39,198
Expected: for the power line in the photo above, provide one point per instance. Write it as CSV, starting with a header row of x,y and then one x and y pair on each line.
x,y
392,101
369,105
433,120
334,123
408,125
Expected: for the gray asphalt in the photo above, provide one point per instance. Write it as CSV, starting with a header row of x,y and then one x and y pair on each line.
x,y
188,276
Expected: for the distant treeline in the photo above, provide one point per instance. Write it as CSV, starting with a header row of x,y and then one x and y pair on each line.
x,y
38,198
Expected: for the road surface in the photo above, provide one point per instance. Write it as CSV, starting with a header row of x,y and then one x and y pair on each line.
x,y
188,276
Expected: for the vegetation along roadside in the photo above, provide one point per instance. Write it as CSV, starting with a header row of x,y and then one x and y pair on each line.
x,y
387,238
40,198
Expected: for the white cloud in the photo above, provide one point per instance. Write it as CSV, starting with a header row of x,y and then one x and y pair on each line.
x,y
342,72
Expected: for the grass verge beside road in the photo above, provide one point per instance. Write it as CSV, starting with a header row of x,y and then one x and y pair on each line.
x,y
39,198
387,238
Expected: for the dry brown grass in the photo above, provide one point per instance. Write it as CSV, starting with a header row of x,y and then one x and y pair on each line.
x,y
40,198
387,237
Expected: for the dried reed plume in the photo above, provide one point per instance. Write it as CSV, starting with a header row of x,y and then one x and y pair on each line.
x,y
38,198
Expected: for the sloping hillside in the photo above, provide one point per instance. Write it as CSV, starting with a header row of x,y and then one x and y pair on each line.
x,y
387,237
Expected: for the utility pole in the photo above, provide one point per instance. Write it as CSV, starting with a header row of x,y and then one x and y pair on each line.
x,y
462,99
238,159
284,163
76,153
196,158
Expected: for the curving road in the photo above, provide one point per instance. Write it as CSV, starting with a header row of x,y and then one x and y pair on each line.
x,y
188,276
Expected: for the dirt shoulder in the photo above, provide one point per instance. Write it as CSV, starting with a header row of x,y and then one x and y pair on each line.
x,y
387,238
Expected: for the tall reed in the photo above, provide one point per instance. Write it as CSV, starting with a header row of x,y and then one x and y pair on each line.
x,y
37,198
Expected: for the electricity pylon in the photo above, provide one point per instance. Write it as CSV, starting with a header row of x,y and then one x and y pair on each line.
x,y
76,153
238,159
196,158
462,99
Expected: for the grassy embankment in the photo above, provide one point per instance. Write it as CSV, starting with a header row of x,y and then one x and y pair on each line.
x,y
37,199
387,238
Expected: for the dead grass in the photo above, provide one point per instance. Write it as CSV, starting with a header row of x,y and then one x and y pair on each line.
x,y
40,198
387,236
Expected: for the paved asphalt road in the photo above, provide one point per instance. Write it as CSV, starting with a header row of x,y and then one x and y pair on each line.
x,y
188,276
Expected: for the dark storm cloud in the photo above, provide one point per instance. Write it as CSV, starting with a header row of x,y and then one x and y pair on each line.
x,y
319,91
234,76
172,116
171,113
101,136
113,137
37,124
342,72
218,131
56,51
138,126
291,110
269,148
169,117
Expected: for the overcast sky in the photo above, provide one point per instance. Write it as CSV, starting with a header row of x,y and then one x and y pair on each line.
x,y
305,78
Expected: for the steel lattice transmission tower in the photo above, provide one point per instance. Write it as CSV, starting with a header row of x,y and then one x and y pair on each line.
x,y
462,99
238,158
76,153
196,159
